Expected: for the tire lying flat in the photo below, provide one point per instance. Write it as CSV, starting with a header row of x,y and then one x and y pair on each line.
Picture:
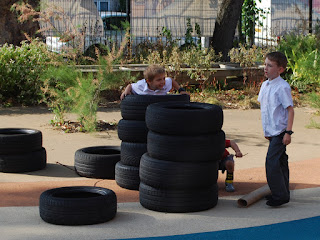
x,y
127,176
132,131
178,118
131,153
133,107
77,205
23,162
177,175
178,201
200,148
19,140
97,161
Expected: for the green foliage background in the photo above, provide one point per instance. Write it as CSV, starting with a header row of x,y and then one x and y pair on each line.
x,y
302,52
20,68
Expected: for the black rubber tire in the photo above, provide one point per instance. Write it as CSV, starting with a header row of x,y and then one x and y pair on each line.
x,y
78,205
133,107
176,118
178,201
177,175
132,131
127,176
131,153
97,161
19,140
23,162
201,148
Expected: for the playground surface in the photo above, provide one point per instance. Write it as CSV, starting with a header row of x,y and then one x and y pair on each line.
x,y
20,193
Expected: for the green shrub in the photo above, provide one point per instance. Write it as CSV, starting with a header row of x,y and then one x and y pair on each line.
x,y
314,100
199,62
57,82
91,51
248,56
67,89
85,96
20,68
302,52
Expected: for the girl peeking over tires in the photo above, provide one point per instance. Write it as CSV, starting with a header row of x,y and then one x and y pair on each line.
x,y
155,82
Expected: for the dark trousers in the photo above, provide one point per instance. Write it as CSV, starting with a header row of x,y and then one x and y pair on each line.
x,y
277,169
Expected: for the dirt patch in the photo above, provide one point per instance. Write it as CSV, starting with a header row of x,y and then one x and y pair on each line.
x,y
73,127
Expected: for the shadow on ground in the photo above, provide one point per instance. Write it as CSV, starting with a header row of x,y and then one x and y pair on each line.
x,y
56,170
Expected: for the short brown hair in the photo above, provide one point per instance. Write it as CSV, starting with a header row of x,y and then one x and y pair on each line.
x,y
152,71
279,58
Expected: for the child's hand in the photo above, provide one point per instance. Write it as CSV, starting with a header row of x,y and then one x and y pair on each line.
x,y
184,92
286,139
123,95
126,92
239,154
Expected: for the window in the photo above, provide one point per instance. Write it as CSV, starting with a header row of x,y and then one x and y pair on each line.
x,y
103,6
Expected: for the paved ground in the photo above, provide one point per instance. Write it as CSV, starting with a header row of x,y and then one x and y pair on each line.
x,y
19,217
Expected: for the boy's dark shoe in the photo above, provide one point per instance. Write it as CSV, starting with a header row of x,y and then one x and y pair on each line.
x,y
268,197
276,203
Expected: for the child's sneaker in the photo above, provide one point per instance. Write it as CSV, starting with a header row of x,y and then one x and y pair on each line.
x,y
229,187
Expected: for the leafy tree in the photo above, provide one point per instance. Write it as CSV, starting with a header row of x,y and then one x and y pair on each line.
x,y
250,16
12,31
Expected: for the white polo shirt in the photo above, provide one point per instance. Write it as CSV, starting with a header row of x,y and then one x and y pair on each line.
x,y
141,88
274,97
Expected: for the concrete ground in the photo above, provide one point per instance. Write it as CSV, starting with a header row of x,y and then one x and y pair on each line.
x,y
19,212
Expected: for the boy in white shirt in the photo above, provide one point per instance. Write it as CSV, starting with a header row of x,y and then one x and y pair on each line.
x,y
155,82
277,116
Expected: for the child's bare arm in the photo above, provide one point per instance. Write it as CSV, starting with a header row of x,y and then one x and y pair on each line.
x,y
235,148
287,138
126,92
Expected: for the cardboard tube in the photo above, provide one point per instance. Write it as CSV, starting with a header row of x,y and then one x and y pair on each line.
x,y
254,196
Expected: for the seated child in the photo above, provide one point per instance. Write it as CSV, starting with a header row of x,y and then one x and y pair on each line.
x,y
154,83
227,163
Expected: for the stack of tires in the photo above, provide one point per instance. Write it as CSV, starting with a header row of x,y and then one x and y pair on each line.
x,y
21,150
132,130
180,169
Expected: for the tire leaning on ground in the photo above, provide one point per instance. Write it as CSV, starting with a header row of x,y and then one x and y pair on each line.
x,y
97,161
19,140
23,162
193,118
133,107
78,205
178,201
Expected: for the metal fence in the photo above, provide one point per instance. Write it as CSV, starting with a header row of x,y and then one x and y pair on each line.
x,y
100,20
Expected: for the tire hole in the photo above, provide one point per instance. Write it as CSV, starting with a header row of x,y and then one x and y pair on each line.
x,y
76,195
103,151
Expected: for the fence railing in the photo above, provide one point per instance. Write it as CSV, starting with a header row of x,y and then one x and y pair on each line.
x,y
147,18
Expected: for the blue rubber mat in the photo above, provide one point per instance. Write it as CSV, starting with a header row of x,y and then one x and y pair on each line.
x,y
303,229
